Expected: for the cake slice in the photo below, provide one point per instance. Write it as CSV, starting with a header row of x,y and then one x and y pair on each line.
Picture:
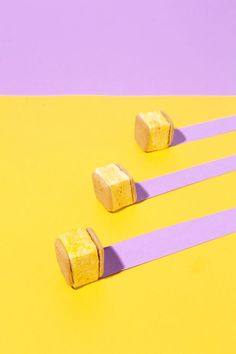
x,y
80,256
153,131
114,187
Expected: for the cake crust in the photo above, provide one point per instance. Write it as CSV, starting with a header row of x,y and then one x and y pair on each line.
x,y
100,249
63,260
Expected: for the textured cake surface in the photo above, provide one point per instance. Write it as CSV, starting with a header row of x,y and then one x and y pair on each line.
x,y
83,257
153,131
113,187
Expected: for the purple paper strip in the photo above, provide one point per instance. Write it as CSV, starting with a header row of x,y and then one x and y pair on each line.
x,y
204,130
163,184
163,242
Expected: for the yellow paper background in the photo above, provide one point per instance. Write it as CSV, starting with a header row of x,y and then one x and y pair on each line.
x,y
181,304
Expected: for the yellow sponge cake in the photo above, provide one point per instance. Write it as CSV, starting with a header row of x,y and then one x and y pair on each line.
x,y
153,131
80,256
114,187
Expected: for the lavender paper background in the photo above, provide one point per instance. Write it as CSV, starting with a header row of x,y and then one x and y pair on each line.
x,y
123,47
